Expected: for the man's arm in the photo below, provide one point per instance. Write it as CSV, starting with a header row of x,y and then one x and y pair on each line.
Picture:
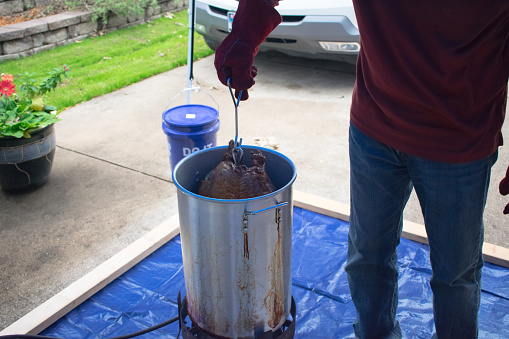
x,y
253,22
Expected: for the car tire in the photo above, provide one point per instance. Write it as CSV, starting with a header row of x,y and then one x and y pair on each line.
x,y
213,44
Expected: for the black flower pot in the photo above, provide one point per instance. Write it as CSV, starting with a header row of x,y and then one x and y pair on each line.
x,y
25,163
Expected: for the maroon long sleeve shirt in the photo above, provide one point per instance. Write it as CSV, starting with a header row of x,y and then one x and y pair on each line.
x,y
432,76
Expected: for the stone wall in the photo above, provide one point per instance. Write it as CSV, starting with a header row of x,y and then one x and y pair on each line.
x,y
38,35
9,7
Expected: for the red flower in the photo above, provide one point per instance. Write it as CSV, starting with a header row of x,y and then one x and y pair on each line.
x,y
7,88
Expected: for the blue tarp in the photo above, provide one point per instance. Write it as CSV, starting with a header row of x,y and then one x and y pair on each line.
x,y
147,294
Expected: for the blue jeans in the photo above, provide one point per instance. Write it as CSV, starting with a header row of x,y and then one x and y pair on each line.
x,y
452,198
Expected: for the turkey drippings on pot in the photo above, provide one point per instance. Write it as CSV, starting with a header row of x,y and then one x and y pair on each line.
x,y
231,181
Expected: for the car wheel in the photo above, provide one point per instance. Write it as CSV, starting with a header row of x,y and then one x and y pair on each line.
x,y
213,44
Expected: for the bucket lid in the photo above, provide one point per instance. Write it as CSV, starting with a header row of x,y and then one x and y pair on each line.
x,y
189,118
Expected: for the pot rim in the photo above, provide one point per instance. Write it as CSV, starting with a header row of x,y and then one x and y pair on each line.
x,y
244,147
34,130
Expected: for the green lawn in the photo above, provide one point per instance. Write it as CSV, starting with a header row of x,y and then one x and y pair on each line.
x,y
100,65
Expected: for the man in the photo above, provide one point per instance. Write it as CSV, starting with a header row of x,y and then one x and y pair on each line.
x,y
427,111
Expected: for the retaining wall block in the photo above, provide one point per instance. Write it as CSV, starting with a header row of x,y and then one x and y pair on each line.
x,y
18,45
72,31
78,39
44,48
62,43
11,7
55,36
38,40
173,5
135,17
132,24
26,53
151,11
84,16
61,20
115,21
9,57
167,6
86,27
7,33
31,27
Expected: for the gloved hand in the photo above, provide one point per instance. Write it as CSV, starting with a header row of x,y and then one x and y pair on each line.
x,y
253,22
504,189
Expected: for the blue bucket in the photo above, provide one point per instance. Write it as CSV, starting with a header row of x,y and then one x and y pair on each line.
x,y
189,128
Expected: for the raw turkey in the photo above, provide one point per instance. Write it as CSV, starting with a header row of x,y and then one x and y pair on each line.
x,y
236,181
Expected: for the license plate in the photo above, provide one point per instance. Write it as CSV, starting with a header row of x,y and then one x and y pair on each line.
x,y
230,20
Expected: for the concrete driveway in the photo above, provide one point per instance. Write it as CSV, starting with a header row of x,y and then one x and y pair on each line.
x,y
111,180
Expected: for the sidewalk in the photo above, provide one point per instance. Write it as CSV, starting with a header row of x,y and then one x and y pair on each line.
x,y
111,178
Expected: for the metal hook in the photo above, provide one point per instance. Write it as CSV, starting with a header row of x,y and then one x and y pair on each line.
x,y
236,147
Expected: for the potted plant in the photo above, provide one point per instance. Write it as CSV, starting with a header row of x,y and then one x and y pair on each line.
x,y
27,136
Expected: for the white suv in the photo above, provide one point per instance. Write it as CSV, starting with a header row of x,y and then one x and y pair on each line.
x,y
327,30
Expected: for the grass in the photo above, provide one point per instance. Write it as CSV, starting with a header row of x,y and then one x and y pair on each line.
x,y
103,64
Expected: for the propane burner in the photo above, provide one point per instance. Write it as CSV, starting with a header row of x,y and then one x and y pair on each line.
x,y
287,331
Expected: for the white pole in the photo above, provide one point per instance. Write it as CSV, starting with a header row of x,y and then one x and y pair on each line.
x,y
190,12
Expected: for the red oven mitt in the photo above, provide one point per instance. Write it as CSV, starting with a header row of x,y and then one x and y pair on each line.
x,y
504,189
252,24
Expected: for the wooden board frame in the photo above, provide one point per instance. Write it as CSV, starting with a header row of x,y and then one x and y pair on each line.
x,y
492,253
50,311
63,302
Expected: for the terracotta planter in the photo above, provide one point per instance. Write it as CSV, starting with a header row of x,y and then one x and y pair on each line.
x,y
26,163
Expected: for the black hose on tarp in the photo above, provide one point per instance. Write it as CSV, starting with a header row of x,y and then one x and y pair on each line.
x,y
127,336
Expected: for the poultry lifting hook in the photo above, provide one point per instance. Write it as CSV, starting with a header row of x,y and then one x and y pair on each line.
x,y
237,152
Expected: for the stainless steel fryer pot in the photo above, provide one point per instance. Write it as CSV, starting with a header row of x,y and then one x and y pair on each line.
x,y
236,253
